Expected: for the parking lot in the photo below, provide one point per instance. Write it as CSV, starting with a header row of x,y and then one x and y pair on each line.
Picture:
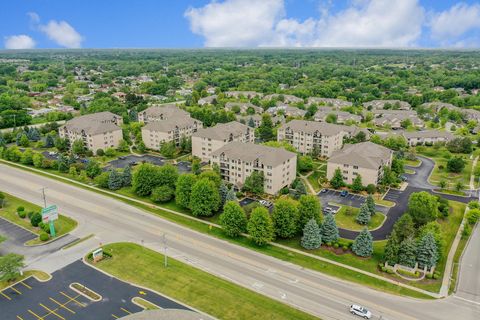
x,y
352,200
54,299
131,160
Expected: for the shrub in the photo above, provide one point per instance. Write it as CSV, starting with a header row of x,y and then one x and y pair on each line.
x,y
335,245
429,276
162,194
46,228
44,236
30,214
344,248
100,152
371,189
436,276
22,214
473,215
384,269
35,219
20,209
467,230
474,205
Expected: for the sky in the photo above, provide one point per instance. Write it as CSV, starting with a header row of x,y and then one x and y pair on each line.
x,y
30,24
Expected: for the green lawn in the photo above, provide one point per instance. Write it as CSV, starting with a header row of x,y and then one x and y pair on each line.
x,y
345,219
62,226
194,287
314,180
412,163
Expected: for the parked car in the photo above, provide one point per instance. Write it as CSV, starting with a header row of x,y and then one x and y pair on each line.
x,y
122,157
360,311
344,193
52,153
327,210
265,203
403,178
323,190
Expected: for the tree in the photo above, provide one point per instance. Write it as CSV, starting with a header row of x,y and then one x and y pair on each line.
x,y
460,145
93,169
163,193
102,179
61,144
312,238
127,176
10,266
231,195
455,165
260,226
285,218
144,179
404,227
23,141
337,179
62,163
123,146
223,190
300,189
183,189
233,219
363,216
405,123
407,253
371,189
196,166
254,183
423,207
442,184
38,160
35,219
205,199
78,147
265,129
363,244
329,229
427,253
167,149
309,208
304,163
370,204
49,141
391,249
167,175
141,147
357,184
115,180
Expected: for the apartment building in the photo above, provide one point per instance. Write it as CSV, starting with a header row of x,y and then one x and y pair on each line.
x,y
238,160
256,120
172,129
366,159
321,138
395,118
428,137
97,131
287,110
207,140
158,113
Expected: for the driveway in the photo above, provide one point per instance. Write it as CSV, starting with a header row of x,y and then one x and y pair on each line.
x,y
54,299
133,159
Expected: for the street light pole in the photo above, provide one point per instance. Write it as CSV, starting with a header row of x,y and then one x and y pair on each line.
x,y
165,249
44,198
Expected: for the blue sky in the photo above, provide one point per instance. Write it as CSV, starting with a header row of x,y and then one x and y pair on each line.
x,y
238,23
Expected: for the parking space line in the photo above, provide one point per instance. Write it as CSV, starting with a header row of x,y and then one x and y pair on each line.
x,y
126,310
73,299
25,285
19,318
36,315
62,305
15,290
51,312
116,317
3,294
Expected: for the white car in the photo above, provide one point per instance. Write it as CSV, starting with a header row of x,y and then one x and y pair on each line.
x,y
265,203
360,311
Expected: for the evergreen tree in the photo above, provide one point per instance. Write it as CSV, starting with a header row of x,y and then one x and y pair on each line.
x,y
231,195
265,129
115,180
363,216
260,226
300,189
427,254
337,179
49,141
251,123
127,176
33,134
407,253
223,191
371,204
329,229
404,227
392,247
233,219
62,163
312,238
357,185
363,245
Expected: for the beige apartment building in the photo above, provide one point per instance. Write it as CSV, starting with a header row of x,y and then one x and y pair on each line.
x,y
366,159
207,140
97,131
158,113
321,138
174,129
238,160
428,137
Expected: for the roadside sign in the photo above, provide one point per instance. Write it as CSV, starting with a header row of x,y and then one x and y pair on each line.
x,y
49,214
97,255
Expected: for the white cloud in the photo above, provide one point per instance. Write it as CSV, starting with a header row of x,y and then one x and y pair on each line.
x,y
451,24
21,41
236,23
62,34
233,23
34,17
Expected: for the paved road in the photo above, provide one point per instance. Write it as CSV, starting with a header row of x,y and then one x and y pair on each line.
x,y
469,281
314,292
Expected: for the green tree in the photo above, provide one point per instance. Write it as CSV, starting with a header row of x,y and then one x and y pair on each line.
x,y
23,141
61,144
427,253
167,175
196,167
223,190
144,179
329,229
357,185
309,208
337,179
363,244
205,199
211,175
231,195
363,216
304,163
233,219
10,266
127,176
167,149
371,204
38,160
407,253
423,207
254,183
102,179
285,218
115,180
300,189
183,190
163,193
404,227
455,165
93,169
123,146
78,147
391,249
260,226
265,129
312,238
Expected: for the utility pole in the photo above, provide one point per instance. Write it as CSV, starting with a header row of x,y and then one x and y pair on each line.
x,y
165,249
44,198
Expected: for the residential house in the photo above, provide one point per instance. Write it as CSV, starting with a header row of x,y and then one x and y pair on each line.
x,y
243,107
244,94
287,98
158,113
341,116
286,110
390,104
337,103
427,137
207,100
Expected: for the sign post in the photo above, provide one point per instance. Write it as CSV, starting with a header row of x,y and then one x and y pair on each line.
x,y
49,215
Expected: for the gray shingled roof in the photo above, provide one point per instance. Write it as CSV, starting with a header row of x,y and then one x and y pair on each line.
x,y
364,154
325,128
94,123
249,152
427,134
168,111
180,121
222,130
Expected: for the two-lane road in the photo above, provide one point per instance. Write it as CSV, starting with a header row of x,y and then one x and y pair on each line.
x,y
112,220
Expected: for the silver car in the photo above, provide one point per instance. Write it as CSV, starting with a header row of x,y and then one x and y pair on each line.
x,y
360,311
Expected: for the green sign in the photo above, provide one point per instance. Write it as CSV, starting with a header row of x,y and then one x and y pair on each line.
x,y
49,215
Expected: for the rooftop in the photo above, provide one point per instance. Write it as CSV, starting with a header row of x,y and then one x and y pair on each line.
x,y
180,121
223,130
364,154
94,123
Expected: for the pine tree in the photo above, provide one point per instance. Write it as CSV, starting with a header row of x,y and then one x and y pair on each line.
x,y
337,179
329,229
115,180
404,227
363,245
251,123
223,190
427,254
357,185
231,195
390,254
127,176
33,134
312,238
407,254
49,141
371,204
363,216
300,189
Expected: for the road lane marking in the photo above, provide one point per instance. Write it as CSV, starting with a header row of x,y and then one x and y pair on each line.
x,y
3,294
36,315
15,290
51,312
19,318
126,310
62,305
116,317
25,285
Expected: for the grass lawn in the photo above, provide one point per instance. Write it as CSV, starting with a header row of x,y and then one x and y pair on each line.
x,y
345,218
38,274
314,180
456,260
62,226
409,171
199,289
412,163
